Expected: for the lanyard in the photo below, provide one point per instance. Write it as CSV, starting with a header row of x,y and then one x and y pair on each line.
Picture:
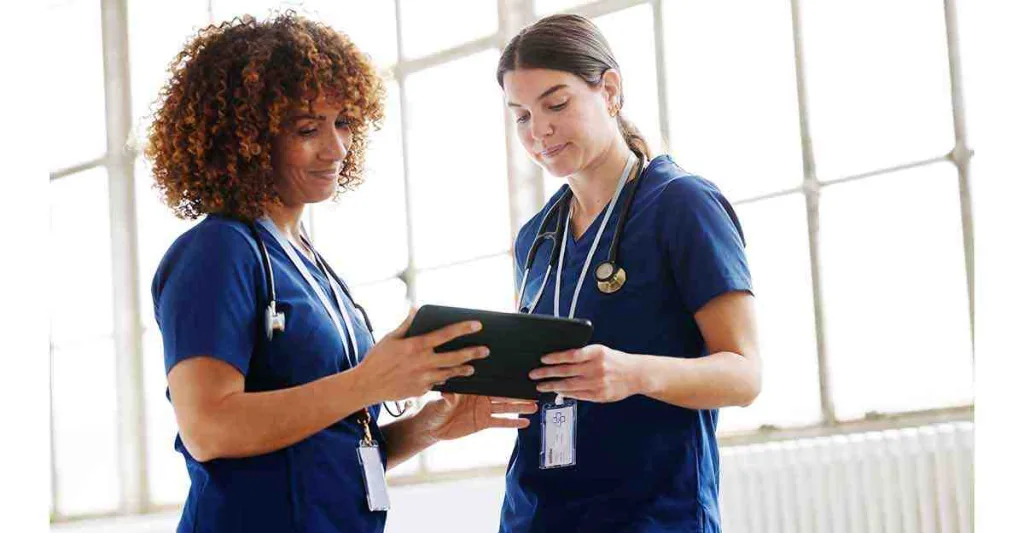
x,y
345,332
593,247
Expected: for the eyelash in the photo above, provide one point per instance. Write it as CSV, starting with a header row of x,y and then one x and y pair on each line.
x,y
312,131
556,108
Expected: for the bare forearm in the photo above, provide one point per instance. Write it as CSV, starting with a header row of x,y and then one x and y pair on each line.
x,y
407,437
245,424
721,379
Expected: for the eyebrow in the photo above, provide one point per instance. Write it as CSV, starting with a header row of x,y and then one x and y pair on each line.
x,y
544,94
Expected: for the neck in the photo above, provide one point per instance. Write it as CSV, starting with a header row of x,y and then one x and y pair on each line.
x,y
287,219
593,186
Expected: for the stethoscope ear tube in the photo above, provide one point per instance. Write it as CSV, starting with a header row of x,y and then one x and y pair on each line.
x,y
609,275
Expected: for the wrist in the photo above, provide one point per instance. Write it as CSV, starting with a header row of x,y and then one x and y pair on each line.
x,y
359,388
428,423
643,379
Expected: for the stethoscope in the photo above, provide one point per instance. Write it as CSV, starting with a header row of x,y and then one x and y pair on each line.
x,y
609,275
274,319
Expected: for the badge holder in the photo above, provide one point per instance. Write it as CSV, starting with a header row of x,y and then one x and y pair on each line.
x,y
558,434
373,469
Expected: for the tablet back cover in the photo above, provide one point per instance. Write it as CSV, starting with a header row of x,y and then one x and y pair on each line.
x,y
517,342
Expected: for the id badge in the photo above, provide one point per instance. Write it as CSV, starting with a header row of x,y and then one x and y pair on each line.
x,y
373,476
558,434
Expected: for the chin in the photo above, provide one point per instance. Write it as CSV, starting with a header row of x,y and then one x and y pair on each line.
x,y
321,195
559,167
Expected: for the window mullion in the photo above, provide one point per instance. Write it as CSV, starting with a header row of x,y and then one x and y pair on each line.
x,y
961,154
812,195
131,438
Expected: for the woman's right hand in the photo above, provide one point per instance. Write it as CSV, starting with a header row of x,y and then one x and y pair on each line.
x,y
397,368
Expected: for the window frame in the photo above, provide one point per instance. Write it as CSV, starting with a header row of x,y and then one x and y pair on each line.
x,y
526,196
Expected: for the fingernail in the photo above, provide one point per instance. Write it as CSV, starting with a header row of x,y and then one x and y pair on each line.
x,y
542,388
534,375
476,326
470,371
485,352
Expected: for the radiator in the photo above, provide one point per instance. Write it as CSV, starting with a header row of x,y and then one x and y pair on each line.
x,y
894,481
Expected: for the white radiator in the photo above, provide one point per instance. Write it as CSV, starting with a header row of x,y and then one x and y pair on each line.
x,y
916,480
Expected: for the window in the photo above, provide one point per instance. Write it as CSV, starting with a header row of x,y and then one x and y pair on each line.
x,y
896,291
82,359
427,26
82,110
831,133
733,111
880,101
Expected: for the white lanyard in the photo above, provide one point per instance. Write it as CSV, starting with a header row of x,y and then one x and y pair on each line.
x,y
351,345
593,247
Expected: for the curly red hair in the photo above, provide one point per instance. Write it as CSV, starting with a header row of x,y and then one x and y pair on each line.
x,y
230,90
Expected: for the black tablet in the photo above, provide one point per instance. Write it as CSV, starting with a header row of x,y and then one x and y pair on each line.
x,y
517,342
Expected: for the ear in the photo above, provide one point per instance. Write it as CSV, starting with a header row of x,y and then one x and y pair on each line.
x,y
611,85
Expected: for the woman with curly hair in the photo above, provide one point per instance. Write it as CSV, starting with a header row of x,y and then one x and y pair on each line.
x,y
277,416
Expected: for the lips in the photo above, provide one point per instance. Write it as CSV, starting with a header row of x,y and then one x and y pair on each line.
x,y
552,151
325,174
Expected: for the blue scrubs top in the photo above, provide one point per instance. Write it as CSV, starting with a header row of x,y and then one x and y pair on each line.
x,y
642,465
210,294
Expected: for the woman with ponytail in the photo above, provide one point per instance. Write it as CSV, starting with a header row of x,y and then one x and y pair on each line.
x,y
624,440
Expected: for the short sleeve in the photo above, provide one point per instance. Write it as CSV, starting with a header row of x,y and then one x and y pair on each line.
x,y
205,297
704,242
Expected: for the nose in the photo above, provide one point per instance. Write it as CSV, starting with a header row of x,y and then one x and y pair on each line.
x,y
335,147
541,127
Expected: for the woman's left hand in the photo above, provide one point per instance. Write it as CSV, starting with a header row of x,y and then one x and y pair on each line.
x,y
593,373
457,415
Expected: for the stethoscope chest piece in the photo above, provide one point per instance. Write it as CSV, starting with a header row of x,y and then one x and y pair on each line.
x,y
273,320
610,277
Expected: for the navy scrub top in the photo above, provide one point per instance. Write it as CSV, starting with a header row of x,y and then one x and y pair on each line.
x,y
210,294
642,465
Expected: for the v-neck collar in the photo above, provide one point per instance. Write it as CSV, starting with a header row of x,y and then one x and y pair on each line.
x,y
588,234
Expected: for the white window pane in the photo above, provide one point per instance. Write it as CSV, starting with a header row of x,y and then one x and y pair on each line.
x,y
457,165
158,229
630,33
484,284
85,427
877,83
168,479
386,303
363,234
776,234
547,7
157,31
895,292
429,27
260,9
81,114
733,105
370,25
81,304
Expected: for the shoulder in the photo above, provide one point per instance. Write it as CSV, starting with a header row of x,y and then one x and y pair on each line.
x,y
686,201
215,243
674,185
220,235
